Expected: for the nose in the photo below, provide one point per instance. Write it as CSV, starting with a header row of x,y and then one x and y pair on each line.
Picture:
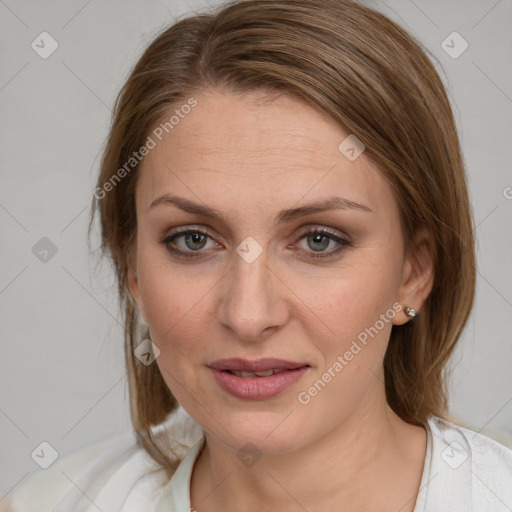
x,y
253,302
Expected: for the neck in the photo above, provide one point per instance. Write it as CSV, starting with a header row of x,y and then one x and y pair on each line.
x,y
372,458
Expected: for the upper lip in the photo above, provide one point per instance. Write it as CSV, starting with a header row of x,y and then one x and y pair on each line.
x,y
260,365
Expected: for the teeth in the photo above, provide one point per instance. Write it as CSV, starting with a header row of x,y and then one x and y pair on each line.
x,y
241,373
265,374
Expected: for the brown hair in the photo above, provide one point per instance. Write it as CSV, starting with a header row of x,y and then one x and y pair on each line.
x,y
375,81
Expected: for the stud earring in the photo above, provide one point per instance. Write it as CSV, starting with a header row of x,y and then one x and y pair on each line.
x,y
410,311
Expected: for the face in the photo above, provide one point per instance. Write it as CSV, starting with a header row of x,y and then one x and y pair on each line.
x,y
268,276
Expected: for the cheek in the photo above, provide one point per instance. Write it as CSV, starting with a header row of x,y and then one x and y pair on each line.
x,y
176,305
358,307
164,291
359,312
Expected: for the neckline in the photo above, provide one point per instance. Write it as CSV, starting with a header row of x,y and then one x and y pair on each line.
x,y
176,496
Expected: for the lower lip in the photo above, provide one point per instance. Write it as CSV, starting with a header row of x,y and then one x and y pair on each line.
x,y
258,388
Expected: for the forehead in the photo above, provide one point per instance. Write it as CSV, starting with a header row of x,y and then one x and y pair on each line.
x,y
246,149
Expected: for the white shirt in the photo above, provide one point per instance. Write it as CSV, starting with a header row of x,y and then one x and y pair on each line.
x,y
463,472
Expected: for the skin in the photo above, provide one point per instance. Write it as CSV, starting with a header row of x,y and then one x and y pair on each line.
x,y
248,158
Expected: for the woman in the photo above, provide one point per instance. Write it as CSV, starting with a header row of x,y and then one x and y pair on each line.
x,y
284,200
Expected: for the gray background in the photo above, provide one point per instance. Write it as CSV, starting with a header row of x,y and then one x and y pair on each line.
x,y
61,365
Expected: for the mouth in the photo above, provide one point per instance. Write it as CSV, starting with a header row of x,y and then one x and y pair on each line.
x,y
241,373
260,367
259,379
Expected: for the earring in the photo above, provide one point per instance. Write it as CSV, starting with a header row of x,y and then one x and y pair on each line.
x,y
410,311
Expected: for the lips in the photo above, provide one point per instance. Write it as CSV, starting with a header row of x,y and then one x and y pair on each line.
x,y
256,380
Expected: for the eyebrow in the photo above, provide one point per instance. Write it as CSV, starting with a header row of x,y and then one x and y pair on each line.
x,y
287,215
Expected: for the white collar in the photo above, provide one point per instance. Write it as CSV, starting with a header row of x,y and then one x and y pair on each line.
x,y
176,497
447,481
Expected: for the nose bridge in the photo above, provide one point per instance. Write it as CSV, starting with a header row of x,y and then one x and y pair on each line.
x,y
252,301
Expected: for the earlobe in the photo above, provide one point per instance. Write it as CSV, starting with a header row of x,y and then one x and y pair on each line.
x,y
417,277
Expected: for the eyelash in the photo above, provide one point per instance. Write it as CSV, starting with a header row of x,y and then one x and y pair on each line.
x,y
332,235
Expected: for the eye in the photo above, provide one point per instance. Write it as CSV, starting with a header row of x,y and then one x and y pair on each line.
x,y
319,239
193,240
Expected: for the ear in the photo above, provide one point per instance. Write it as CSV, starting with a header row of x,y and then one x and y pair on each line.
x,y
417,275
133,283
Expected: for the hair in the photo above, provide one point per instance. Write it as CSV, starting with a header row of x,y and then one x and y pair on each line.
x,y
377,82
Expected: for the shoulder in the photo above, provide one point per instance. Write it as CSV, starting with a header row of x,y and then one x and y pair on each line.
x,y
470,467
479,446
115,474
42,490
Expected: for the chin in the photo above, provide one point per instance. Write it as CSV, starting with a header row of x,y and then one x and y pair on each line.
x,y
262,431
